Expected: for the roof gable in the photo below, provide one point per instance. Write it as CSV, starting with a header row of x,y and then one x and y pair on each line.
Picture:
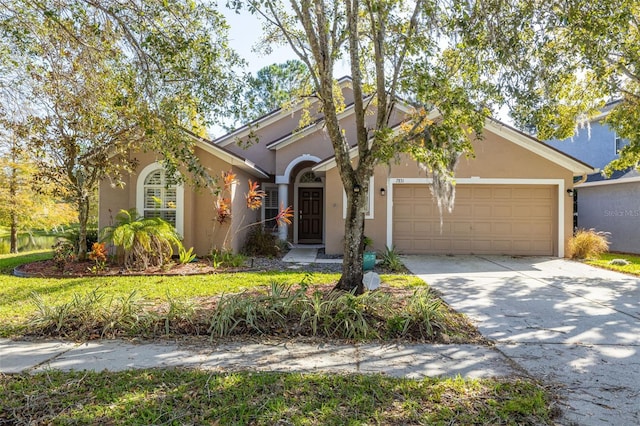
x,y
228,156
510,134
267,119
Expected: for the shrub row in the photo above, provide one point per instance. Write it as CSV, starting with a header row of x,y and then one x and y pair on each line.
x,y
281,311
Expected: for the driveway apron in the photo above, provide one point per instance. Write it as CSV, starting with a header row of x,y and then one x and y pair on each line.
x,y
563,322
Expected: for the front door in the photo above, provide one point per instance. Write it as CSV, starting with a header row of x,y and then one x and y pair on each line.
x,y
310,215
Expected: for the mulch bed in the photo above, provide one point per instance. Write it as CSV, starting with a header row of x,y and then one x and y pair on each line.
x,y
49,269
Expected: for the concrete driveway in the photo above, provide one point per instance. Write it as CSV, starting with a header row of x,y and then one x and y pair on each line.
x,y
561,321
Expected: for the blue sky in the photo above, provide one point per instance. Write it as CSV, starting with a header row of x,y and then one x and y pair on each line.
x,y
245,32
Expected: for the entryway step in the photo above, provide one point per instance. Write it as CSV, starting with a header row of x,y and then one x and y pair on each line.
x,y
301,255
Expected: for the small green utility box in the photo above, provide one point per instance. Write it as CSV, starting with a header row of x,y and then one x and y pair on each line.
x,y
369,260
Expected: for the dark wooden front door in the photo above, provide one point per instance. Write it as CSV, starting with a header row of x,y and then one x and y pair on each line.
x,y
310,215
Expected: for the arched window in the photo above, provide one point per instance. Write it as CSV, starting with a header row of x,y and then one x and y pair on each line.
x,y
159,195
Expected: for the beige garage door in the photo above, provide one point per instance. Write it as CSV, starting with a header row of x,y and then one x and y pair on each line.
x,y
487,219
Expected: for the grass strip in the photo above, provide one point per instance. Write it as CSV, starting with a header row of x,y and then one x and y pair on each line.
x,y
632,268
179,396
16,302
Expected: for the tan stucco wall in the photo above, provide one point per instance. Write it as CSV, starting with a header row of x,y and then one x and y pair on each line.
x,y
318,143
254,148
201,230
495,157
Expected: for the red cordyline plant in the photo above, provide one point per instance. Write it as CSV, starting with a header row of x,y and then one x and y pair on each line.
x,y
223,202
99,255
284,216
223,207
254,198
98,252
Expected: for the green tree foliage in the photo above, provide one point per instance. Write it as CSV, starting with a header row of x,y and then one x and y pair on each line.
x,y
456,62
22,209
589,53
104,78
274,86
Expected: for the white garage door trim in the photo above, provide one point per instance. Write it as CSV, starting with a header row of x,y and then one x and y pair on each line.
x,y
480,181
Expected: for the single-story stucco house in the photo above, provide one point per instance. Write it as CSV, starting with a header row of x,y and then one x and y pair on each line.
x,y
511,198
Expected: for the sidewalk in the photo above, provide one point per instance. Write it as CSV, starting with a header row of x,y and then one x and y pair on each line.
x,y
412,361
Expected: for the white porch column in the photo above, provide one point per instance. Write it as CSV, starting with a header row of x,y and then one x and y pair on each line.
x,y
283,195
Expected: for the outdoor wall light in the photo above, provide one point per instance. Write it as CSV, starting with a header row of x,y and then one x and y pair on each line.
x,y
570,192
383,192
356,188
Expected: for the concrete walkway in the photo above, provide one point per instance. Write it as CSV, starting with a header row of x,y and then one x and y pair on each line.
x,y
413,361
561,321
301,255
306,255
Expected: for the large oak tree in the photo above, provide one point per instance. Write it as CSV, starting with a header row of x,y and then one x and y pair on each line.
x,y
591,55
456,62
106,77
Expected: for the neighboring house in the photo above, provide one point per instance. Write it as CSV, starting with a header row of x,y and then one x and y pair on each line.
x,y
511,198
605,204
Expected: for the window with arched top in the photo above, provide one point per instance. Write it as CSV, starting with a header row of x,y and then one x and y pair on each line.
x,y
160,198
160,195
310,177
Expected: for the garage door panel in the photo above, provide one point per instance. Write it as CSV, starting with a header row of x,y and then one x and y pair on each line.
x,y
404,245
502,246
482,210
478,194
422,228
487,219
541,211
482,227
403,228
541,246
502,228
461,228
542,193
422,210
502,193
403,191
463,192
502,211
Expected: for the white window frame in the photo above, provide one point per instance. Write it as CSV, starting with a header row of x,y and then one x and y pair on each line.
x,y
142,176
269,188
370,199
617,140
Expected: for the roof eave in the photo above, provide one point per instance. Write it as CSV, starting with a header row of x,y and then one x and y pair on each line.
x,y
266,119
229,157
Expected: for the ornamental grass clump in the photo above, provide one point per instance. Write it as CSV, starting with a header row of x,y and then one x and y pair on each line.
x,y
281,310
588,244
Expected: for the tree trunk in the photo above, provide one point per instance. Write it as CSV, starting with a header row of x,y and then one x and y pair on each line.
x,y
14,233
83,218
352,264
13,190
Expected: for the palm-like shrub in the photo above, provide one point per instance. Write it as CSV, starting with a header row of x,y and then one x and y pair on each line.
x,y
145,241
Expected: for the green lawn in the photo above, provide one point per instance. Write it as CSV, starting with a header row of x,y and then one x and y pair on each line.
x,y
603,262
180,396
16,304
176,396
